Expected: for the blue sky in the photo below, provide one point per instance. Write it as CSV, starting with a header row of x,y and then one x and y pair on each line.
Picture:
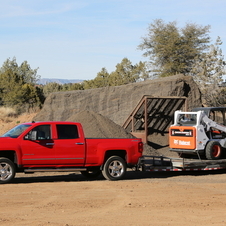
x,y
74,39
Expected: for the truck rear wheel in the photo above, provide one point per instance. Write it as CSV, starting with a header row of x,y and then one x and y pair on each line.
x,y
213,150
7,170
114,168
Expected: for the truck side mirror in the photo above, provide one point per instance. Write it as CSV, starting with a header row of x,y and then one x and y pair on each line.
x,y
33,135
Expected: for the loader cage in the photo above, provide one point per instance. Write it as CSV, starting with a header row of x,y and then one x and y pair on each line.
x,y
217,114
153,115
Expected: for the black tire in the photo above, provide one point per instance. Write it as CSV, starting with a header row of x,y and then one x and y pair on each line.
x,y
213,150
114,168
7,170
91,174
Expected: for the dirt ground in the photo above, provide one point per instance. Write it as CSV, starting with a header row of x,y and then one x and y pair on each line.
x,y
142,198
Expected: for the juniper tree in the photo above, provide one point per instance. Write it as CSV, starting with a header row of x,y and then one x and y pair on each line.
x,y
172,50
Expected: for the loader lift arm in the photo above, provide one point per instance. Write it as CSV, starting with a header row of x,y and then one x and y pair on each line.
x,y
212,124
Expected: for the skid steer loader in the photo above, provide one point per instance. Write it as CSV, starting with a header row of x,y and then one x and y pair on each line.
x,y
199,132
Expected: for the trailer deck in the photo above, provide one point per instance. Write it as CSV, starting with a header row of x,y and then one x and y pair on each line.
x,y
162,163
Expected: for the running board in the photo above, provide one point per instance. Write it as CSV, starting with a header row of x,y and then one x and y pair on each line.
x,y
54,170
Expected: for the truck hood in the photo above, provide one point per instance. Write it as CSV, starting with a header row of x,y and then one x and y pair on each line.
x,y
8,143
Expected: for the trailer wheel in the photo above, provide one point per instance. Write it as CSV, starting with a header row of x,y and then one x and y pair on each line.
x,y
7,170
91,174
114,168
213,150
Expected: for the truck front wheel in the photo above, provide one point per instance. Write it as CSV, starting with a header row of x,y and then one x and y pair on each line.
x,y
213,150
114,168
7,170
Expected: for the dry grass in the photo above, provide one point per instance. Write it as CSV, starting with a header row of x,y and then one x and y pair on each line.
x,y
7,111
9,122
6,114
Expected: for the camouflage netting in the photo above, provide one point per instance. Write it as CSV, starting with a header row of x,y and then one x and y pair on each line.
x,y
102,111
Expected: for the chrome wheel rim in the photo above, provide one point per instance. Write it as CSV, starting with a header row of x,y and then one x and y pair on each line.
x,y
116,169
5,171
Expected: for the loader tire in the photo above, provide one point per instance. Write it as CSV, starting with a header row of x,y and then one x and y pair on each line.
x,y
213,150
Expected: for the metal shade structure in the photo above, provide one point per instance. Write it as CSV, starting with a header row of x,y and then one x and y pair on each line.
x,y
153,115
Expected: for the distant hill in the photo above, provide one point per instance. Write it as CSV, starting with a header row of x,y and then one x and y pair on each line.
x,y
44,81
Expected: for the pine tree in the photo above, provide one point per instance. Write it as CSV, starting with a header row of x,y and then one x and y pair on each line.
x,y
208,71
18,86
172,50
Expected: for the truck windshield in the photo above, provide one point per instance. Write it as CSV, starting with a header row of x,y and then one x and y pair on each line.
x,y
16,131
187,119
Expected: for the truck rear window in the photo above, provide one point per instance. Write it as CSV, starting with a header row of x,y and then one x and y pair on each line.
x,y
67,131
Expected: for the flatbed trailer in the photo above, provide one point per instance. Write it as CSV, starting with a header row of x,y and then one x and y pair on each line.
x,y
162,163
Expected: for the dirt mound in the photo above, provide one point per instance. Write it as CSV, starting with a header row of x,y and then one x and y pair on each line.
x,y
97,126
159,144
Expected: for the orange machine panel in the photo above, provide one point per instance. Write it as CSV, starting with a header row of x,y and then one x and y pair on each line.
x,y
182,137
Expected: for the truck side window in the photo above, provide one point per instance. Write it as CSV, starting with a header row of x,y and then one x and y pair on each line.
x,y
67,131
43,132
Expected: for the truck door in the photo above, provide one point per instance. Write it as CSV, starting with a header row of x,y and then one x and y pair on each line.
x,y
38,150
69,146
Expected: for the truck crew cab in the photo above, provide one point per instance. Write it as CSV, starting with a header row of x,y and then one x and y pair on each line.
x,y
61,146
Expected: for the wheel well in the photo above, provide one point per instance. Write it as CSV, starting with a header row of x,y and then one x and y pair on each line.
x,y
120,153
9,155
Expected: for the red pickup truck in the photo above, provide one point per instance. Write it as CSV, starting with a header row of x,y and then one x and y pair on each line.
x,y
61,146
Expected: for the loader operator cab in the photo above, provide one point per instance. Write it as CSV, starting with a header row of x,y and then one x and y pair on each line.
x,y
217,114
187,119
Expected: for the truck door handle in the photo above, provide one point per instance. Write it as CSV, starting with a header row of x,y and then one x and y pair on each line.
x,y
79,143
48,144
